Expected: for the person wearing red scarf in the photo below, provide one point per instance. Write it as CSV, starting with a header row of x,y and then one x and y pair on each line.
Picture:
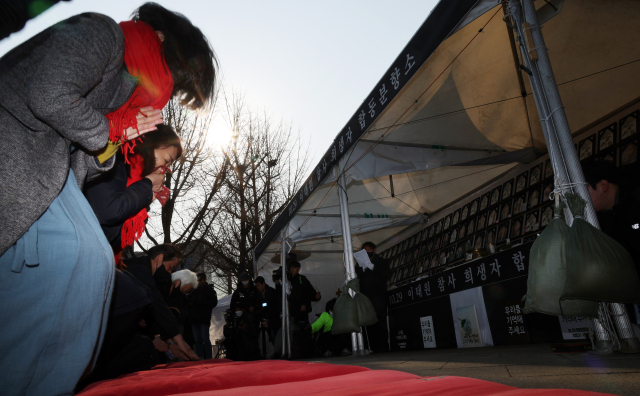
x,y
63,95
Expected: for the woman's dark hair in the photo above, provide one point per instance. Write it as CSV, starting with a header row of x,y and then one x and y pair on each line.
x,y
187,52
165,136
329,305
168,250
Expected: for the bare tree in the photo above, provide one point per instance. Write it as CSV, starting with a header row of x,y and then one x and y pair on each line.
x,y
223,200
267,163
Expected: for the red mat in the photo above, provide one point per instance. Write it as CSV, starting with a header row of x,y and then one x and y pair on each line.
x,y
275,378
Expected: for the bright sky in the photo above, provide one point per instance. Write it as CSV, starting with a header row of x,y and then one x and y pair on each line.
x,y
310,63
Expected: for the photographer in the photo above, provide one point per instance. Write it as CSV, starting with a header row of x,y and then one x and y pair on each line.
x,y
239,340
267,312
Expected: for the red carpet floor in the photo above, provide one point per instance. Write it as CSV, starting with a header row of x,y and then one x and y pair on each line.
x,y
275,378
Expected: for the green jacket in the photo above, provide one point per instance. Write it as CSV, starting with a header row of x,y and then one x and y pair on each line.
x,y
325,320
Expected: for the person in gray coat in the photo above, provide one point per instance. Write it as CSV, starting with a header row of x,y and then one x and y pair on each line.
x,y
55,91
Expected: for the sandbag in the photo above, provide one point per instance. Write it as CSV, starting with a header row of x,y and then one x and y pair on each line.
x,y
548,273
366,313
598,267
345,314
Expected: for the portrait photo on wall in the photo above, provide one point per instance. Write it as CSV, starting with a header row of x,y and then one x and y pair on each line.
x,y
495,195
493,216
442,257
629,153
607,137
521,182
451,254
490,236
429,246
507,189
519,204
460,251
586,147
484,202
547,190
516,227
462,231
546,215
503,232
607,155
478,241
453,236
456,217
434,261
447,222
432,231
628,125
436,244
548,169
471,226
534,198
473,207
532,222
468,244
535,174
505,210
439,227
465,213
445,239
482,220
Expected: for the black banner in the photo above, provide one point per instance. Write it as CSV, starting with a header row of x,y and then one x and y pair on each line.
x,y
512,263
442,20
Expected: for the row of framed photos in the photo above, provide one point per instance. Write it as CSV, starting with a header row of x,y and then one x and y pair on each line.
x,y
616,142
526,226
433,262
519,208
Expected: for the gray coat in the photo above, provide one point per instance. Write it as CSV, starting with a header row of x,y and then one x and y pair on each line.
x,y
55,91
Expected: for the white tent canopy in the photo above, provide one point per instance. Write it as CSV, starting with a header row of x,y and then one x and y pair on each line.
x,y
451,117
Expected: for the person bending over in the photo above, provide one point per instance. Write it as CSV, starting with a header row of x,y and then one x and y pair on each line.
x,y
67,96
121,196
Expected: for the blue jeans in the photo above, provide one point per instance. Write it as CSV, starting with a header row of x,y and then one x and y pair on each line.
x,y
56,289
201,335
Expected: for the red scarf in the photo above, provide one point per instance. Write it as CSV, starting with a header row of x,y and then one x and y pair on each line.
x,y
144,57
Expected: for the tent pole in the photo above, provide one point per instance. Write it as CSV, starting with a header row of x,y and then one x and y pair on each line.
x,y
561,147
357,343
286,346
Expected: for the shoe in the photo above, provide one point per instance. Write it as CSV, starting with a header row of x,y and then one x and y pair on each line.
x,y
346,352
328,354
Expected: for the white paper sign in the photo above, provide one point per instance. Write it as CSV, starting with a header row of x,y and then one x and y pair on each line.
x,y
469,327
428,335
574,327
363,259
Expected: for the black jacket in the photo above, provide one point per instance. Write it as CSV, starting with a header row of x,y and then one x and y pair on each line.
x,y
623,223
113,202
201,301
302,293
248,296
272,311
373,284
159,319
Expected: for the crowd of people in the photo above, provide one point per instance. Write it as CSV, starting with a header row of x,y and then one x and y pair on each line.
x,y
254,320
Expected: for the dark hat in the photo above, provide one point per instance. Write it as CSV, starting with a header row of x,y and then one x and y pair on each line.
x,y
244,276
